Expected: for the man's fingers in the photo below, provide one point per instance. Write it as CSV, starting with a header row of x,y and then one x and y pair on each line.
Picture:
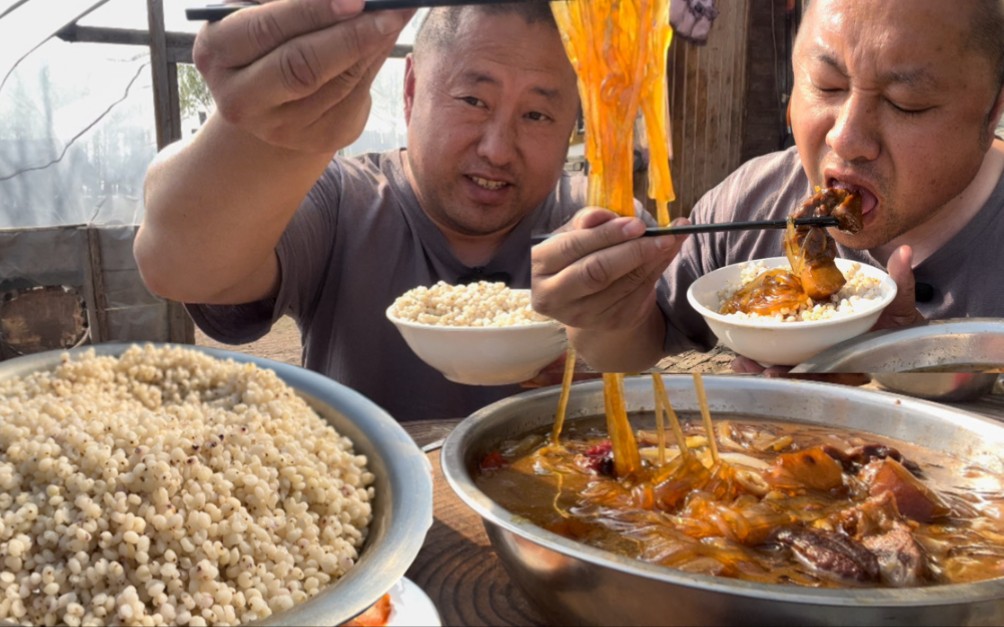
x,y
901,270
344,91
251,33
589,251
591,217
335,119
618,304
302,66
629,263
602,273
745,365
902,311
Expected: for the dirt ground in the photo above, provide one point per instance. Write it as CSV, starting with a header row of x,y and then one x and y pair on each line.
x,y
281,344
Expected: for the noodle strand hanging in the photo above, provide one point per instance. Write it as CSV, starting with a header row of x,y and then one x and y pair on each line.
x,y
618,49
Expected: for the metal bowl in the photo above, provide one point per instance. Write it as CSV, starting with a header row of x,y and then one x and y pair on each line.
x,y
959,349
402,508
970,344
939,386
572,583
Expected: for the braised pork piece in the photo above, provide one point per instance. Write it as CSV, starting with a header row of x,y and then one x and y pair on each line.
x,y
785,503
811,252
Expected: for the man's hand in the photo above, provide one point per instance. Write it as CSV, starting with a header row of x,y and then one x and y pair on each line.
x,y
745,365
598,277
902,311
599,273
297,73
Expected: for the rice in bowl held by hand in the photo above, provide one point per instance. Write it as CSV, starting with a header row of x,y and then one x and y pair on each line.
x,y
479,304
166,486
861,291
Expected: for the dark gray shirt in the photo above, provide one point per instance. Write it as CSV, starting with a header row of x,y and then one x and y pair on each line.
x,y
358,241
965,273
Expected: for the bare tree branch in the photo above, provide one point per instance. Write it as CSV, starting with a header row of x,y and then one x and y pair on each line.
x,y
13,6
73,139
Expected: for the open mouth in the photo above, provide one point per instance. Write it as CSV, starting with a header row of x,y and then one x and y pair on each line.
x,y
868,199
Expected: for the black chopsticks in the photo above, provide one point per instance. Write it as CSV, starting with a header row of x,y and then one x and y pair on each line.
x,y
722,226
217,11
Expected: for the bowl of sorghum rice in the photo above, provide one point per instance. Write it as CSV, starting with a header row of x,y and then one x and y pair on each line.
x,y
789,338
181,485
482,333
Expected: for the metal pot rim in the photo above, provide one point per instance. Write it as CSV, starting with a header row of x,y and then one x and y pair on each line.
x,y
458,476
847,356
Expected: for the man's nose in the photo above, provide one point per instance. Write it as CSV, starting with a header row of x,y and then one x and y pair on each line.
x,y
498,141
855,132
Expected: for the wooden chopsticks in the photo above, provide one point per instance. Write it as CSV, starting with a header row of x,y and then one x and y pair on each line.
x,y
722,226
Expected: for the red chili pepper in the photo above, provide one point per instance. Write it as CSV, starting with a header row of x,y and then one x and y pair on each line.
x,y
493,460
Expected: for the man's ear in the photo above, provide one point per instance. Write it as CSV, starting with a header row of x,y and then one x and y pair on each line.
x,y
994,118
409,86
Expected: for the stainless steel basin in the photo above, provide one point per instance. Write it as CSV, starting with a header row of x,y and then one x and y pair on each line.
x,y
572,583
963,344
939,386
402,509
959,350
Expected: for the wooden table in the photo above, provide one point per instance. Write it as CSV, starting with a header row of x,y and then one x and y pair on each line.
x,y
457,567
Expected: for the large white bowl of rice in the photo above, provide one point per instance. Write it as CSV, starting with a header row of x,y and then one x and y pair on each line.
x,y
482,333
787,340
179,485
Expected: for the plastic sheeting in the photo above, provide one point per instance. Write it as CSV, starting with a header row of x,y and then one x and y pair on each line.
x,y
76,135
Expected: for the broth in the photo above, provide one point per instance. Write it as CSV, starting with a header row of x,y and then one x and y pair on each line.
x,y
788,503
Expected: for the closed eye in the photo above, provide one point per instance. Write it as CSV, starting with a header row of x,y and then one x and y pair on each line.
x,y
908,110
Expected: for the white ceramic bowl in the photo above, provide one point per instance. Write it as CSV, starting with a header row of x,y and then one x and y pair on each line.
x,y
485,355
776,343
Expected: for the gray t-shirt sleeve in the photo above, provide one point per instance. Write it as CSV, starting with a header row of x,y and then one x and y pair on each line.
x,y
303,254
685,328
306,246
234,324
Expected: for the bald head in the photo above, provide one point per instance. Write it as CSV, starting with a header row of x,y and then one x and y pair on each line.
x,y
985,30
441,26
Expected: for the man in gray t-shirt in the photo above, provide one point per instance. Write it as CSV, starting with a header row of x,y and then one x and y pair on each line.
x,y
254,217
953,281
909,128
380,232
